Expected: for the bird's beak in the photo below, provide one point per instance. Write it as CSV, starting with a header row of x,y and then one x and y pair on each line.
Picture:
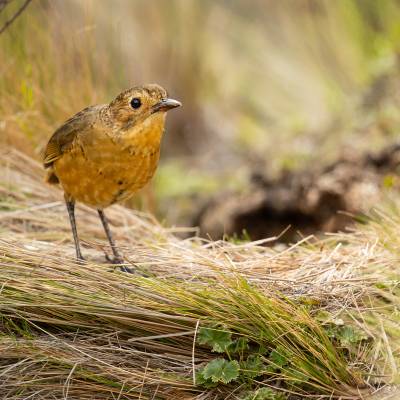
x,y
165,105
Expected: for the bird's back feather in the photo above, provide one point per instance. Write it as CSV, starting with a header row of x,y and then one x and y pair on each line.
x,y
63,138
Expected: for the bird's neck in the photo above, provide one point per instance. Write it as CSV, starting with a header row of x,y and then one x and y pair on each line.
x,y
147,133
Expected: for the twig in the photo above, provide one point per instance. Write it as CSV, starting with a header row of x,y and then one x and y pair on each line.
x,y
15,16
193,348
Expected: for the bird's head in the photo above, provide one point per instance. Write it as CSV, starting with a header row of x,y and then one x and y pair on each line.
x,y
134,106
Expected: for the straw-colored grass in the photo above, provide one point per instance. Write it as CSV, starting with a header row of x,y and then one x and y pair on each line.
x,y
321,317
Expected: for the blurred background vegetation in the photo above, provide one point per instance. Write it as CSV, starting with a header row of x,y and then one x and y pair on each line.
x,y
266,85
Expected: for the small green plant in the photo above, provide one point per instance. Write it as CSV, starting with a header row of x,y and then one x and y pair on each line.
x,y
244,361
346,335
244,368
251,367
218,371
218,339
278,359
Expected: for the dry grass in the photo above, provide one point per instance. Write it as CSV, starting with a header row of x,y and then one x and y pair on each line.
x,y
89,331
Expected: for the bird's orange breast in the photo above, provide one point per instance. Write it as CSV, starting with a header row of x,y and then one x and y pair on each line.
x,y
101,168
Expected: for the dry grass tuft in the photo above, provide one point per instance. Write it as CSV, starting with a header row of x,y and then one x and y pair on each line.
x,y
330,307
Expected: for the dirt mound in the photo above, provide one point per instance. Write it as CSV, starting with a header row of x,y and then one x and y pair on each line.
x,y
308,201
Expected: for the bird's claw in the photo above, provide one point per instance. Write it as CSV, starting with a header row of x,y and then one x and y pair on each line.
x,y
117,260
80,260
114,260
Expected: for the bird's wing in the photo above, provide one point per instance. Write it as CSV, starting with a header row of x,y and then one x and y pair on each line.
x,y
63,138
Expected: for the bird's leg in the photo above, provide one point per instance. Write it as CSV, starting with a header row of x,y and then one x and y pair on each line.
x,y
71,212
117,257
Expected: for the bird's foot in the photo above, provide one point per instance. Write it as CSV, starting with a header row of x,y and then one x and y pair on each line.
x,y
80,260
114,260
118,260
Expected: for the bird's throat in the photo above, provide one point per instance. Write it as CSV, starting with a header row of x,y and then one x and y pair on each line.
x,y
147,133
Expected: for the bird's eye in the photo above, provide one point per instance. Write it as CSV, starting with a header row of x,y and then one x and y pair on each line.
x,y
136,102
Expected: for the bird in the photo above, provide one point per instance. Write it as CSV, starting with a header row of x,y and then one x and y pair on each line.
x,y
105,153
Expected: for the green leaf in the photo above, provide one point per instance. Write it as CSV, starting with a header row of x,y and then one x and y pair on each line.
x,y
278,358
221,370
217,338
201,381
349,335
346,335
252,367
